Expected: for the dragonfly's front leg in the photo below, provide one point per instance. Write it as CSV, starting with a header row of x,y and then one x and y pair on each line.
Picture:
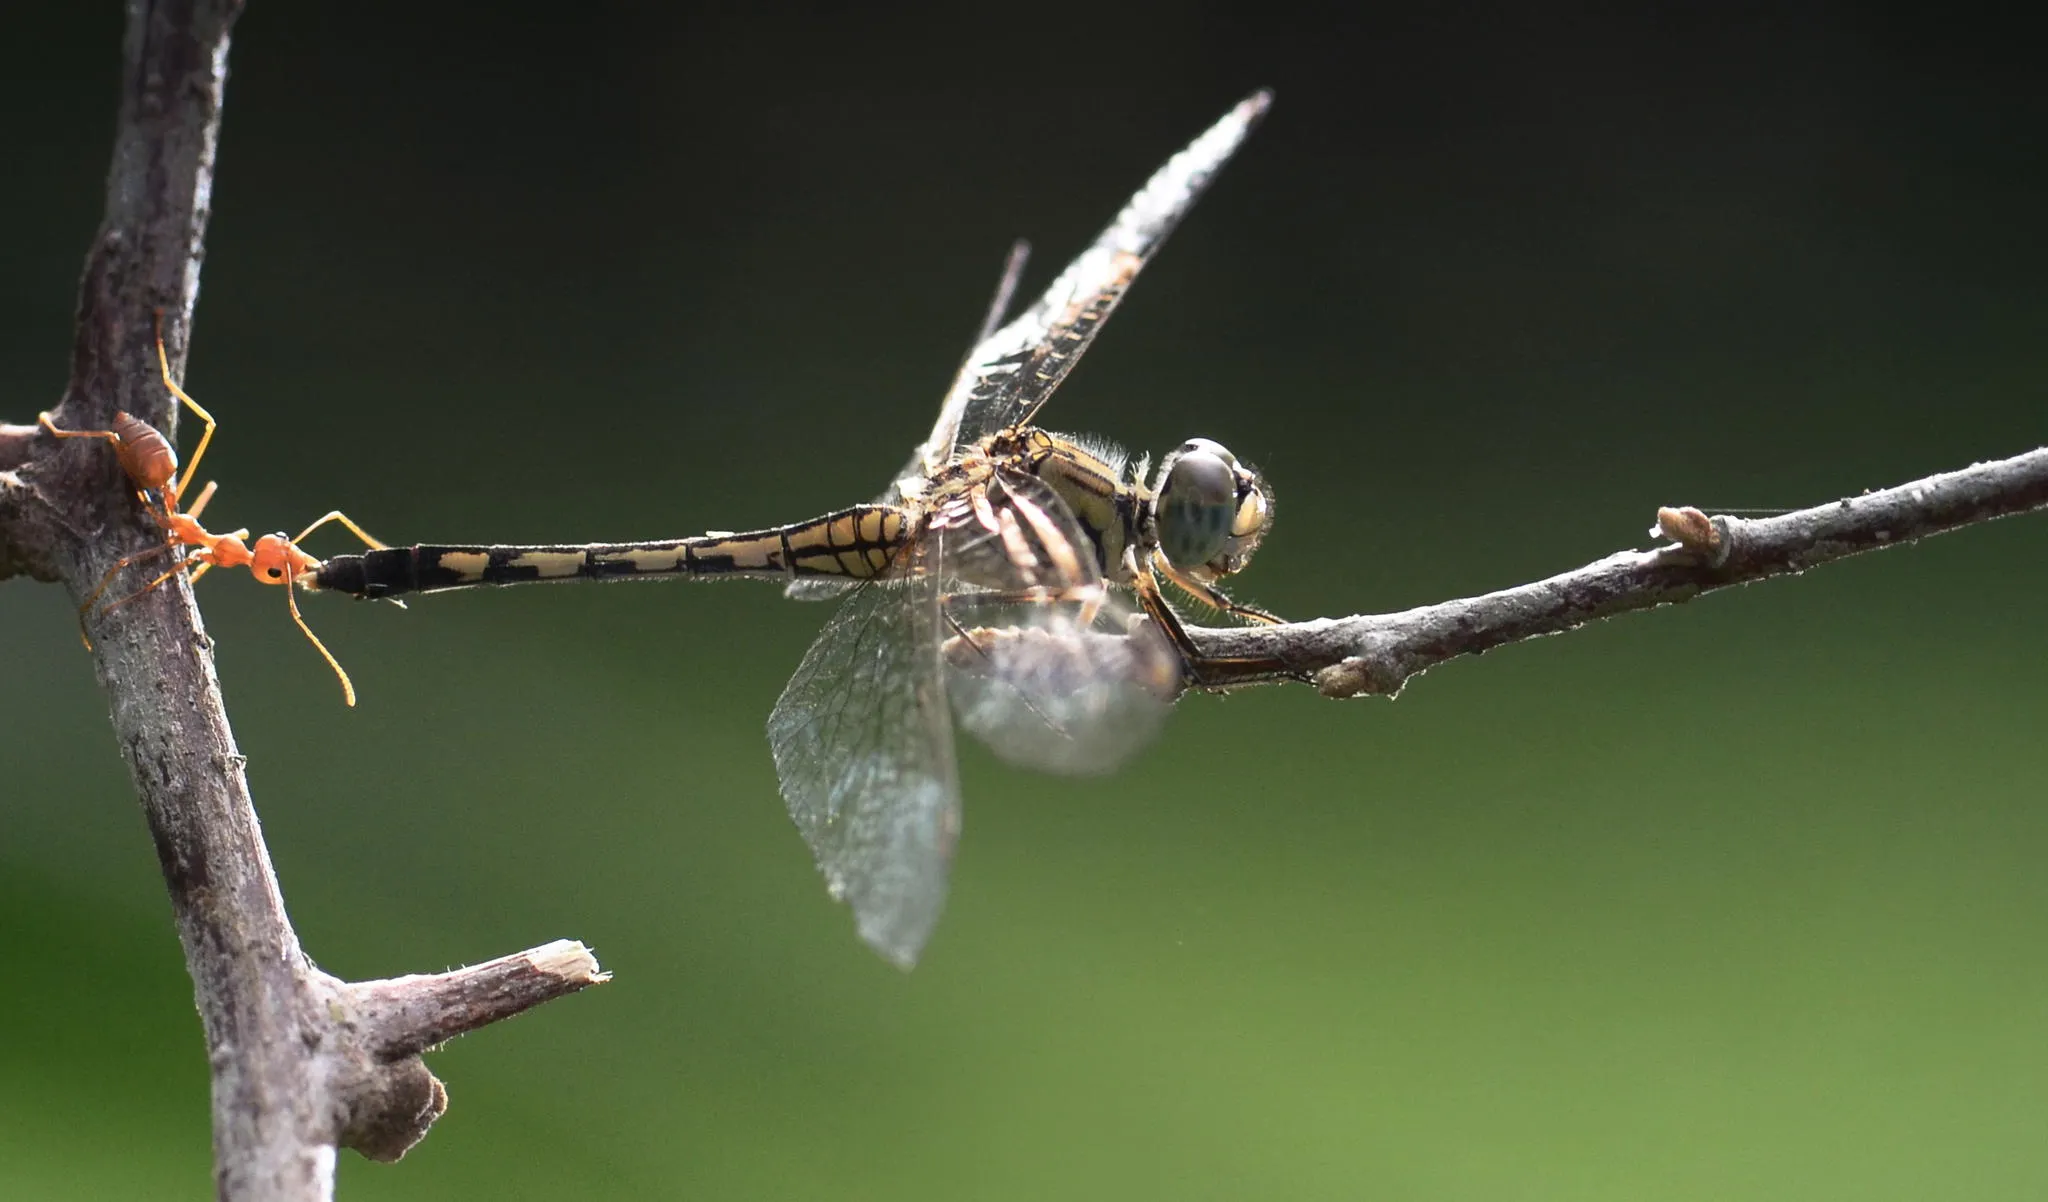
x,y
1194,664
1211,596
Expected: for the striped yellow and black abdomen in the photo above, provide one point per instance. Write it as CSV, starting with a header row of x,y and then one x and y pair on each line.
x,y
851,544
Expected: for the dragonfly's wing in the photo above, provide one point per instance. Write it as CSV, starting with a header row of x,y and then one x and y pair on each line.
x,y
1014,370
1011,371
1043,665
864,751
824,588
819,588
1078,702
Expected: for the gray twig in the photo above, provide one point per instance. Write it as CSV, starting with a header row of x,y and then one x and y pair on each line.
x,y
302,1063
1379,653
391,1097
408,1015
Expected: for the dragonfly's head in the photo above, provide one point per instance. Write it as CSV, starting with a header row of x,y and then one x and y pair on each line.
x,y
1211,511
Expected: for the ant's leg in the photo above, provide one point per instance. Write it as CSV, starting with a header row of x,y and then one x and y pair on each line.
x,y
92,598
205,494
348,690
163,361
337,515
124,562
197,556
43,420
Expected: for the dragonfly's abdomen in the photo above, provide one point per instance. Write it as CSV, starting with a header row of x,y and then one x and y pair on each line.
x,y
852,544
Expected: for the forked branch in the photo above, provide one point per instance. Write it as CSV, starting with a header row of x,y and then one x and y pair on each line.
x,y
1379,653
302,1063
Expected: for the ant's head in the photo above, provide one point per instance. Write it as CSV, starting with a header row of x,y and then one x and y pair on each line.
x,y
276,560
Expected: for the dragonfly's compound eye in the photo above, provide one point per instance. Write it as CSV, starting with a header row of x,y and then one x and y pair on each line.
x,y
1212,510
1198,503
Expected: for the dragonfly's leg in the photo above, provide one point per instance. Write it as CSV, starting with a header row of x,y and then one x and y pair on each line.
x,y
1193,662
1211,596
1169,623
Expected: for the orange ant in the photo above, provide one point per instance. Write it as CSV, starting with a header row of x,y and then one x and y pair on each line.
x,y
151,463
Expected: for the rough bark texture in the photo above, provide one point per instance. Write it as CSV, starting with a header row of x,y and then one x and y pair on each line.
x,y
301,1063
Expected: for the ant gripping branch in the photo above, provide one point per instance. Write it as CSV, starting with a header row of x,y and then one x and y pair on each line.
x,y
152,465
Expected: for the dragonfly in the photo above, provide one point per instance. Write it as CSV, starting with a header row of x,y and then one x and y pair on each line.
x,y
986,584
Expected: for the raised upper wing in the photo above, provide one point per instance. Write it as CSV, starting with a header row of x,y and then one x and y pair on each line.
x,y
1011,373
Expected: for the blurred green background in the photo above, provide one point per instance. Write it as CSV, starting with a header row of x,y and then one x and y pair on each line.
x,y
1741,900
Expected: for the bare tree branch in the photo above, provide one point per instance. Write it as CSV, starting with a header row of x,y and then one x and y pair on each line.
x,y
1379,653
405,1016
392,1098
302,1063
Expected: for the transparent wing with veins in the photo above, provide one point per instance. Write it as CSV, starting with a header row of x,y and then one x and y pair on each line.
x,y
1011,373
864,753
1000,615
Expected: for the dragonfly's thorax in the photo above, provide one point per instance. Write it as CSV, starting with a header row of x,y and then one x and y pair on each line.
x,y
1111,510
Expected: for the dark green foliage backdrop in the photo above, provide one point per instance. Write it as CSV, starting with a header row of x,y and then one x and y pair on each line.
x,y
1737,901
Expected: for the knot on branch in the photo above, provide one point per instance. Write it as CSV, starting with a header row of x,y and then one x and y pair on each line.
x,y
389,1107
1708,538
1354,675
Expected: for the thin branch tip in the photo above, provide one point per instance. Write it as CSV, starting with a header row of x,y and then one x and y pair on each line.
x,y
569,959
403,1016
1378,653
